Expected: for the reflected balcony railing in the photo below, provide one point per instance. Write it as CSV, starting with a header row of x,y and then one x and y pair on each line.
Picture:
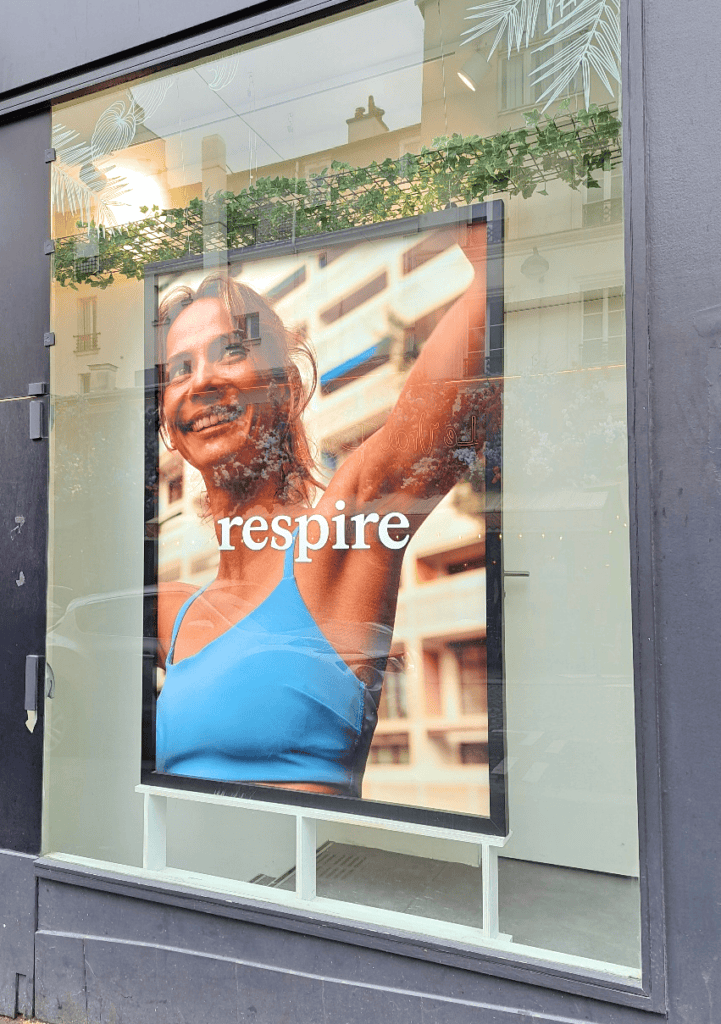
x,y
86,342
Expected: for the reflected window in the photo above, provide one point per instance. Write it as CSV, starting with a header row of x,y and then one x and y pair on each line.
x,y
473,753
604,205
604,327
175,489
471,661
86,340
432,683
393,702
393,748
356,298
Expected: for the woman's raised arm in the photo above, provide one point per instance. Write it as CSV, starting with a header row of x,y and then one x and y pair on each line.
x,y
442,416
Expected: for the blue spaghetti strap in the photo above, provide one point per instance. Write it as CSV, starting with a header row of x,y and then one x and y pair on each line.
x,y
288,567
178,620
288,573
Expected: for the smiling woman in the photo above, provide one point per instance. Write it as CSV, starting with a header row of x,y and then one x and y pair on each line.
x,y
213,371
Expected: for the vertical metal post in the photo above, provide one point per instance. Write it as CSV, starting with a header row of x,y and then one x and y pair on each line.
x,y
305,853
155,833
489,868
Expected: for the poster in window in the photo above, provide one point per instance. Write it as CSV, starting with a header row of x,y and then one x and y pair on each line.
x,y
323,526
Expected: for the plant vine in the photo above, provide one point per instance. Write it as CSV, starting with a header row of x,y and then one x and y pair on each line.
x,y
457,170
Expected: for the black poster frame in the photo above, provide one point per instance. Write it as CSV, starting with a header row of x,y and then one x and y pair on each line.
x,y
492,214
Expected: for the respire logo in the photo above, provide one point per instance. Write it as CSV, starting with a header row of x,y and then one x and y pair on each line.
x,y
256,532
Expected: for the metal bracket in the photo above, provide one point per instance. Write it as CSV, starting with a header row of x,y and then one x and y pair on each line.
x,y
37,410
48,339
49,247
50,156
37,415
34,678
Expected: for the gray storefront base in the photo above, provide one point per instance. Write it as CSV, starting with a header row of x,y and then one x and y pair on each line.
x,y
78,946
107,949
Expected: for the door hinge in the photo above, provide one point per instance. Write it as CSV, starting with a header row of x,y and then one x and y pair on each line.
x,y
50,156
49,247
48,339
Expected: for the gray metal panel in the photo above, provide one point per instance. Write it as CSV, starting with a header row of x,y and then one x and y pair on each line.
x,y
60,979
17,932
191,987
24,315
683,236
23,576
24,271
641,491
131,984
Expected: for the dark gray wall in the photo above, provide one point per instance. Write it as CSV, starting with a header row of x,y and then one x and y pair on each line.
x,y
24,317
42,40
683,89
17,933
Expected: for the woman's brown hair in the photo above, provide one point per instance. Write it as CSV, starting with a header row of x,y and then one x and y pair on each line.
x,y
282,351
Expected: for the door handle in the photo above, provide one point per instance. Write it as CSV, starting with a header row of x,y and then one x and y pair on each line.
x,y
34,671
39,679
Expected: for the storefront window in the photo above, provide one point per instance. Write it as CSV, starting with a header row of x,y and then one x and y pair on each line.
x,y
339,562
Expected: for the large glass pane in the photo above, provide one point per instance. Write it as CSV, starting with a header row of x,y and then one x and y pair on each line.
x,y
432,227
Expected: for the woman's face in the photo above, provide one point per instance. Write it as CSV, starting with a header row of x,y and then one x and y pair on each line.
x,y
215,400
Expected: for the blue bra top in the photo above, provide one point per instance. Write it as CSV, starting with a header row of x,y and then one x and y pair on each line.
x,y
269,700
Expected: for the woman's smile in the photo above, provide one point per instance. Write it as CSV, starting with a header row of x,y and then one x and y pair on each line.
x,y
216,415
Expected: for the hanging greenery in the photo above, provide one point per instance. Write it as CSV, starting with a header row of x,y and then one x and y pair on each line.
x,y
454,171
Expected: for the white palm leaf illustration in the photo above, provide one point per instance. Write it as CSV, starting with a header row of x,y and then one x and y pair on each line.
x,y
115,128
586,39
516,19
149,96
80,186
223,72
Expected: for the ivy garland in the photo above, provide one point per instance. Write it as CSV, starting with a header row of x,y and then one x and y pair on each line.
x,y
455,171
